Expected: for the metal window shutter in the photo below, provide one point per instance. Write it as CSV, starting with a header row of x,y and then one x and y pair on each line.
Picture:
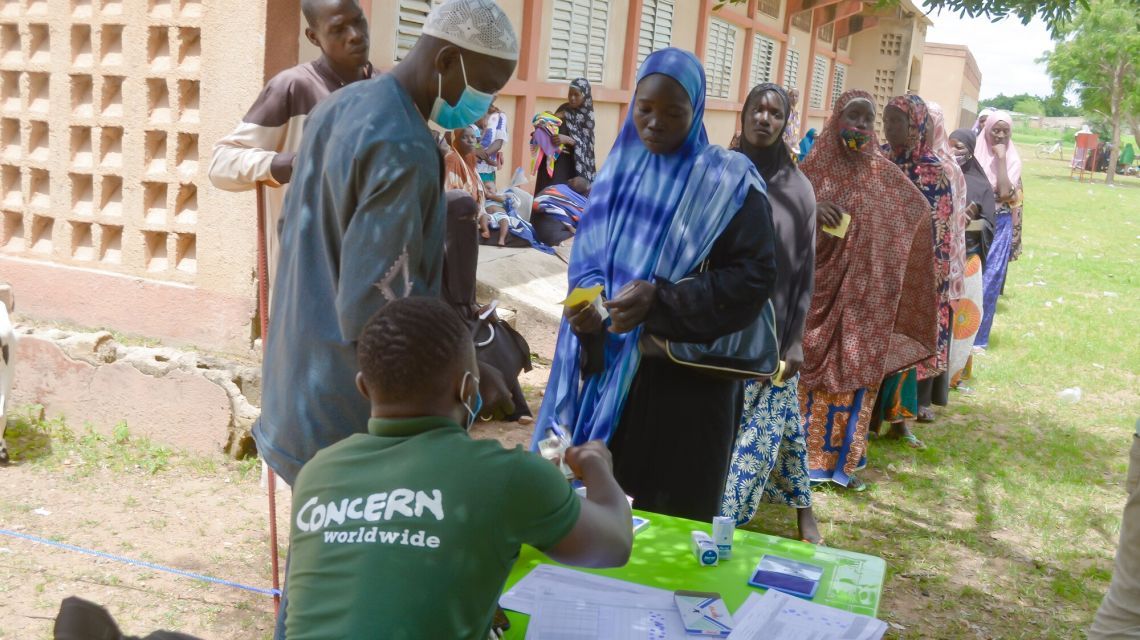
x,y
578,39
819,82
718,65
791,69
410,24
763,60
838,82
656,28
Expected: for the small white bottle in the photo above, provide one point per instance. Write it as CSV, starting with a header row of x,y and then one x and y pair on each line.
x,y
723,528
704,549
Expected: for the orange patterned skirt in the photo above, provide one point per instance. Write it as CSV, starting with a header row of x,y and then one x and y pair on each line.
x,y
836,426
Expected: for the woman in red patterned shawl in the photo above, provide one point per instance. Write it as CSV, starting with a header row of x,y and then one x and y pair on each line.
x,y
910,393
873,308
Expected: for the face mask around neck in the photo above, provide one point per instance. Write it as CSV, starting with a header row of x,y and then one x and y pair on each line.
x,y
475,407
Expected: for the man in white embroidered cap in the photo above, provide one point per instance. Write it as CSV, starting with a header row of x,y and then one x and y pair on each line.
x,y
364,223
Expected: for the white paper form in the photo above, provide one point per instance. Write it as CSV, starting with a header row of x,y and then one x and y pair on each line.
x,y
614,616
778,616
551,581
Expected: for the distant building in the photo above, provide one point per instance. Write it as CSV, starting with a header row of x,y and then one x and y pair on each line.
x,y
109,112
952,79
889,57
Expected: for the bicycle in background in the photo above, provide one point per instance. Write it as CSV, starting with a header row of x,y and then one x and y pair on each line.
x,y
1048,149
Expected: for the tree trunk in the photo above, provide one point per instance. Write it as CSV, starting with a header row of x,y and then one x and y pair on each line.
x,y
1114,113
1115,153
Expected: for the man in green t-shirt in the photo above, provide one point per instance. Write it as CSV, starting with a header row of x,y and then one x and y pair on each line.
x,y
410,530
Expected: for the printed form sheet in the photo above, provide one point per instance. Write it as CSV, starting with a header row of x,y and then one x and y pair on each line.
x,y
564,604
778,616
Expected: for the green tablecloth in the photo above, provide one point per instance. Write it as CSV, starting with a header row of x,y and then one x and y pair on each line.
x,y
662,558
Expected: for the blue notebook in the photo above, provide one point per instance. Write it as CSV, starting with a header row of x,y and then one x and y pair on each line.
x,y
788,576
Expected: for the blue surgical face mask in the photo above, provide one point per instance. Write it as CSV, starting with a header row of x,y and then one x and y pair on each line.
x,y
472,410
471,106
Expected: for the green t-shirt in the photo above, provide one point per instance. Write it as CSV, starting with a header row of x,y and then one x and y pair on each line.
x,y
410,531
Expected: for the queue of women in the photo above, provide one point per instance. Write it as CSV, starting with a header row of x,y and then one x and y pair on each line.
x,y
882,264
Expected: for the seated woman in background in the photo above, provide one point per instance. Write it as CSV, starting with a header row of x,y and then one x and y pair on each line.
x,y
459,167
558,210
1127,157
873,305
666,203
494,211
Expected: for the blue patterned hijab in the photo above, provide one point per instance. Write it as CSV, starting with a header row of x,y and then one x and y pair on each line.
x,y
650,217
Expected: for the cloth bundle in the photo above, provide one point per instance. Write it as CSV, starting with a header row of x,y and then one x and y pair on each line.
x,y
544,142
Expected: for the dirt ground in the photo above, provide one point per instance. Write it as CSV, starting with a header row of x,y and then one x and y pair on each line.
x,y
205,516
185,518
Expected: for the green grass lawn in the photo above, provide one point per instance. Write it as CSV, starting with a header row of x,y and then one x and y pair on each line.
x,y
1007,525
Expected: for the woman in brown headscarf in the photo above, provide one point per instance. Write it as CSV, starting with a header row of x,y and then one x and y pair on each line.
x,y
873,306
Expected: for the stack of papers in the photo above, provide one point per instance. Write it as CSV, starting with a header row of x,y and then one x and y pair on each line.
x,y
564,604
572,605
778,616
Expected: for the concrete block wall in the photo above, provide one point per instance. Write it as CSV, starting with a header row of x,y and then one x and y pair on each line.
x,y
887,55
108,219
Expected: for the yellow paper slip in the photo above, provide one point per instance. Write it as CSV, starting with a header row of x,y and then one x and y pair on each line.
x,y
580,295
841,229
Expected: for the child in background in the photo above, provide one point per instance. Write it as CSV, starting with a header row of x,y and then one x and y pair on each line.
x,y
492,137
495,216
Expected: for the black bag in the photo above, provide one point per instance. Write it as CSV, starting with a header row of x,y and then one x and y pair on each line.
x,y
503,351
753,352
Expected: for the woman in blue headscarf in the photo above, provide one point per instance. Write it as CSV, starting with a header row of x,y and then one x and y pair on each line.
x,y
665,204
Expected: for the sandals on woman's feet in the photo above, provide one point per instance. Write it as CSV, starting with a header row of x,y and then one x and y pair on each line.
x,y
926,414
856,485
821,543
913,442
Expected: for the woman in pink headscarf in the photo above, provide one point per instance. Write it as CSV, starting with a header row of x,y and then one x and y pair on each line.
x,y
959,220
1002,164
